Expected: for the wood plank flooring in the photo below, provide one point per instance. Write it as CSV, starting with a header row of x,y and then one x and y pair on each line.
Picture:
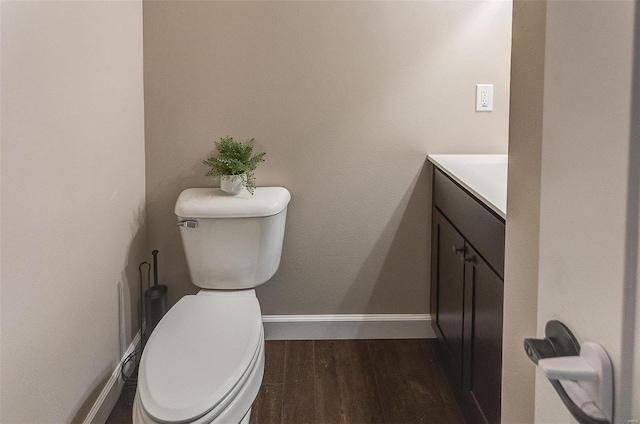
x,y
348,382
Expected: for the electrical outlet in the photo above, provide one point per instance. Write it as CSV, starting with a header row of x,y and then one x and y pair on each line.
x,y
484,97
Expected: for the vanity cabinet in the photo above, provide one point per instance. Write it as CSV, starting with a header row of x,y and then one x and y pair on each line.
x,y
467,285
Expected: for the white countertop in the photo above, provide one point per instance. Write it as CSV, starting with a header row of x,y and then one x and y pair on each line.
x,y
485,176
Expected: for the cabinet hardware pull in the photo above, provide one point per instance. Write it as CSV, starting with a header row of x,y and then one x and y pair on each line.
x,y
470,259
457,250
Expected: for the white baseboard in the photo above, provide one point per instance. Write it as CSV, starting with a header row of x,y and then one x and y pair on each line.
x,y
111,392
372,326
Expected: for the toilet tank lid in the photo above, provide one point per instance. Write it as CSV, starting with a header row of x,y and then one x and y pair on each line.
x,y
215,203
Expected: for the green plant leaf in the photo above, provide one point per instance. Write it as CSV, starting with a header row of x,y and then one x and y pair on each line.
x,y
234,158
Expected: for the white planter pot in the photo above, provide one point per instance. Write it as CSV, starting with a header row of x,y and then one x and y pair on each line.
x,y
233,184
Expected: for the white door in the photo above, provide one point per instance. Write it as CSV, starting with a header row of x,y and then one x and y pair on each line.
x,y
588,268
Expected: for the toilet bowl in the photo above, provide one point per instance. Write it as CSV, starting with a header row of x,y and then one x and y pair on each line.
x,y
204,361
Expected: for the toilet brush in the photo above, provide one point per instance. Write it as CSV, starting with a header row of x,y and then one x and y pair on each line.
x,y
156,298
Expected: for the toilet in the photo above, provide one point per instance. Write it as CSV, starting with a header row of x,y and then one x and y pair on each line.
x,y
204,361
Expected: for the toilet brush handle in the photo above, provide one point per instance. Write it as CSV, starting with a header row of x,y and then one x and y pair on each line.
x,y
155,267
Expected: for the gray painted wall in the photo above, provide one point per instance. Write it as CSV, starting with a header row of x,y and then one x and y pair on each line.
x,y
73,202
347,99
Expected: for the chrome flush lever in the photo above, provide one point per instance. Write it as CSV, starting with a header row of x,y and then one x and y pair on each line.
x,y
188,223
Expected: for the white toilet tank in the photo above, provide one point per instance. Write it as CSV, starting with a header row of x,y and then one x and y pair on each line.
x,y
232,242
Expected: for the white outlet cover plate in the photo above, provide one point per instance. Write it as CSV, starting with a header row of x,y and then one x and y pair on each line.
x,y
484,97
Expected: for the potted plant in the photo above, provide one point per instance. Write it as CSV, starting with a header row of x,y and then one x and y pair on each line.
x,y
234,165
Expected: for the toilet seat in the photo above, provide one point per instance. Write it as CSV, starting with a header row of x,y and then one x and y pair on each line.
x,y
200,357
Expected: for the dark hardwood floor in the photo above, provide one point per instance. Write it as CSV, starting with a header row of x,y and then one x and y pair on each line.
x,y
347,381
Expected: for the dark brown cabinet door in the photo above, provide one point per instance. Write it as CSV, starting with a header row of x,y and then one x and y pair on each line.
x,y
482,336
447,290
